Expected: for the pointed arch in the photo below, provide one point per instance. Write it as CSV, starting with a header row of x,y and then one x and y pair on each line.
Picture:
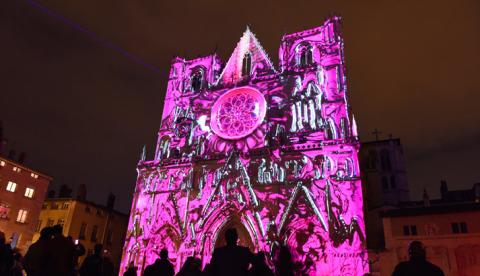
x,y
197,79
304,54
247,64
331,130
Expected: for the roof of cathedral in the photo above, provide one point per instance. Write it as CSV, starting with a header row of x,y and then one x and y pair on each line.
x,y
248,44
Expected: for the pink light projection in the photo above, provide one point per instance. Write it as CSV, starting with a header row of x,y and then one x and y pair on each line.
x,y
269,151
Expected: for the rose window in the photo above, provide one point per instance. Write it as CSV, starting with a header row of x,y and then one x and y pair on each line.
x,y
238,112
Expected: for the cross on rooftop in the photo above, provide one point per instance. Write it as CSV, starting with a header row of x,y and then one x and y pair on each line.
x,y
376,132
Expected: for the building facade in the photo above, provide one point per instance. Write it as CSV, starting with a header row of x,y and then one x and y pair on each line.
x,y
450,232
22,192
87,223
270,151
384,178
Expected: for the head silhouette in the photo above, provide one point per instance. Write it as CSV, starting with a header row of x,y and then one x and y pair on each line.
x,y
231,236
46,233
416,250
98,249
164,254
57,230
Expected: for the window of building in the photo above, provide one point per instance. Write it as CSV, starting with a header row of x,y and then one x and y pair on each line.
x,y
22,215
17,169
29,192
393,184
410,230
247,65
54,206
83,230
385,183
65,205
34,175
4,210
197,80
61,222
304,55
99,212
87,209
2,163
385,160
11,186
93,237
109,236
50,222
459,227
39,226
373,159
45,206
455,228
413,230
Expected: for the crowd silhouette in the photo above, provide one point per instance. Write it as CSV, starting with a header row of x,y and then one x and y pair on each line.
x,y
56,255
230,259
236,260
53,254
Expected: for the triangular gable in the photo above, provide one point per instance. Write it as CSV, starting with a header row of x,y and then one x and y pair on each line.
x,y
260,61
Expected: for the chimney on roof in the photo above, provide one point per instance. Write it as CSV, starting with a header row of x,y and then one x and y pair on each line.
x,y
21,157
110,201
426,199
65,191
82,192
444,190
11,155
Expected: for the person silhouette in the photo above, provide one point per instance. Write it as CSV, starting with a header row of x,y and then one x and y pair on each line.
x,y
260,267
131,270
35,260
284,262
191,267
60,252
93,264
161,266
231,259
417,264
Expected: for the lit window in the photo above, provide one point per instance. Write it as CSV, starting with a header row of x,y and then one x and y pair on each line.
x,y
17,169
50,222
65,205
4,210
22,215
2,163
29,192
61,222
11,186
34,175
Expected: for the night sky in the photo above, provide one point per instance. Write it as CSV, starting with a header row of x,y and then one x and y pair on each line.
x,y
82,103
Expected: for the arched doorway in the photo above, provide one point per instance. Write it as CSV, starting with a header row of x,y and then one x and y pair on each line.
x,y
244,238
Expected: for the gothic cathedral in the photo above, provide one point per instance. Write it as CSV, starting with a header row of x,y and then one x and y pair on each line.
x,y
269,150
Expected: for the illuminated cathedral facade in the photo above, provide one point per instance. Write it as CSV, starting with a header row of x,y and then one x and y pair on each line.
x,y
269,150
